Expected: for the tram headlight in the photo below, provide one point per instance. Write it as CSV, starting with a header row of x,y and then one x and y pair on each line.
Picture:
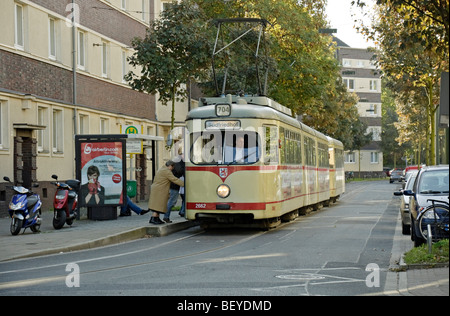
x,y
223,191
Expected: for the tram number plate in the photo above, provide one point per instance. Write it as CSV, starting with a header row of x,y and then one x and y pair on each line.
x,y
200,205
223,110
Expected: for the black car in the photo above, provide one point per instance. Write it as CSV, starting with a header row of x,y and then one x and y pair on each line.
x,y
396,175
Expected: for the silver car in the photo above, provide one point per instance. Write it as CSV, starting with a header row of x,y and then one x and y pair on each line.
x,y
404,204
432,183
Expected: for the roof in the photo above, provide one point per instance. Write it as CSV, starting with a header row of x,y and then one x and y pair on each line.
x,y
250,107
243,111
339,42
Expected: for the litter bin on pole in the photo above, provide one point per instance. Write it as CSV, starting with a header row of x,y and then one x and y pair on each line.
x,y
131,188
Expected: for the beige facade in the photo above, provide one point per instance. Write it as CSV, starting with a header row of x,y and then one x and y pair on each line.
x,y
46,99
360,76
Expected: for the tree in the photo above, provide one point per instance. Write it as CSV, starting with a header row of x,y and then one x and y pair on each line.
x,y
303,72
413,36
173,50
305,75
393,147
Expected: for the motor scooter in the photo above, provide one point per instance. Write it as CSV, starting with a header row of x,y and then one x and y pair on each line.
x,y
24,209
65,202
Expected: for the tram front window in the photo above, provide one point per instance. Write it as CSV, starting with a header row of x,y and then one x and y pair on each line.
x,y
225,147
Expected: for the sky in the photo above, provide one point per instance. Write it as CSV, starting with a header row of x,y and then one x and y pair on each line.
x,y
339,15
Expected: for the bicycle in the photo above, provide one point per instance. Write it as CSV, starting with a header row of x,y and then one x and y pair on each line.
x,y
437,216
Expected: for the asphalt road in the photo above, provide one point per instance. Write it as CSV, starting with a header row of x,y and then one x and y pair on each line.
x,y
340,250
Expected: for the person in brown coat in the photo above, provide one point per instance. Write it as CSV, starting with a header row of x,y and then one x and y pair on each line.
x,y
159,194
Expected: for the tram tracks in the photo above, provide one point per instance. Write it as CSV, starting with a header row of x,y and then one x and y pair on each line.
x,y
58,277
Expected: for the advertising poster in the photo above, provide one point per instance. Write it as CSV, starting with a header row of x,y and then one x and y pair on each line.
x,y
102,173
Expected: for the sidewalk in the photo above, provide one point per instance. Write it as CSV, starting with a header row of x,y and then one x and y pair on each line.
x,y
83,234
417,280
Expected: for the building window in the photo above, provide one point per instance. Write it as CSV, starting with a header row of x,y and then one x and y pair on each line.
x,y
166,5
84,124
58,131
104,126
105,60
124,65
123,4
373,85
350,84
19,29
42,135
373,157
376,133
52,38
2,125
346,63
350,157
81,50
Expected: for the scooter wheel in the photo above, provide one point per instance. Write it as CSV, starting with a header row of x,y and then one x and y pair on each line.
x,y
16,226
59,219
36,228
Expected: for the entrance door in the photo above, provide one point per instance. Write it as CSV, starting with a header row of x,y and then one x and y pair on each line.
x,y
25,153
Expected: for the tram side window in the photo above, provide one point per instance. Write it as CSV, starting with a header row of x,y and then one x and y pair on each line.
x,y
324,161
332,158
298,149
339,156
291,150
283,146
287,147
310,151
271,152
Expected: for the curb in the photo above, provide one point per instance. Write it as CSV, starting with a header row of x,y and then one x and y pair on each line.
x,y
424,266
403,267
130,235
161,231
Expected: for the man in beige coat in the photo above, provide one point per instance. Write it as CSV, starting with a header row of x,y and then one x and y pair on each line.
x,y
159,194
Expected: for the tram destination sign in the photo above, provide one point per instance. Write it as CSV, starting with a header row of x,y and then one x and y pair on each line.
x,y
223,124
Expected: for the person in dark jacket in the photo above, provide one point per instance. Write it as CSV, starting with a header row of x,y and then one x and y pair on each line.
x,y
178,171
159,193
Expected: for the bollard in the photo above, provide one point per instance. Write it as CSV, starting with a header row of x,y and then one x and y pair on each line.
x,y
430,239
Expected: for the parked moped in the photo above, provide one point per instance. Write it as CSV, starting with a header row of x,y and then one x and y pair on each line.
x,y
24,209
65,202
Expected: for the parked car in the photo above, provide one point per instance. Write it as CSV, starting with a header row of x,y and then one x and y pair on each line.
x,y
409,174
396,175
431,184
407,171
404,204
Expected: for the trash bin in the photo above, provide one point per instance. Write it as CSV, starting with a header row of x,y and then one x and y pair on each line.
x,y
131,188
102,213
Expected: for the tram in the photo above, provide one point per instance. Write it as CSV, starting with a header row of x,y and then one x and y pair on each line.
x,y
250,163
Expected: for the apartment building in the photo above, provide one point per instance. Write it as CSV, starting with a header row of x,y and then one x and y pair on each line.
x,y
62,64
361,77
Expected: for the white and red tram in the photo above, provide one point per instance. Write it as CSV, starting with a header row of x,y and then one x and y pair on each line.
x,y
249,162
